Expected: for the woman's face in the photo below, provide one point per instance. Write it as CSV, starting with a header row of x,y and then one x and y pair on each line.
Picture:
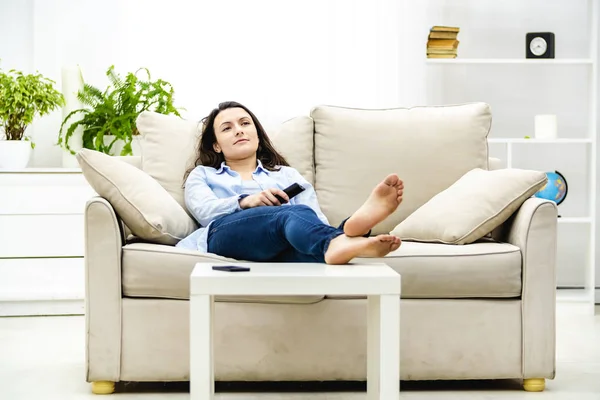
x,y
236,134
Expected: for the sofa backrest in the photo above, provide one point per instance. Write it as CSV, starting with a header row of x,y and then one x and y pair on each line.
x,y
430,148
136,161
345,152
169,146
294,140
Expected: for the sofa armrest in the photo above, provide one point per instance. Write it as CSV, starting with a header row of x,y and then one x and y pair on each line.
x,y
533,229
103,247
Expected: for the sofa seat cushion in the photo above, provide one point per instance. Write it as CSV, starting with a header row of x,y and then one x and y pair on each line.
x,y
160,271
483,269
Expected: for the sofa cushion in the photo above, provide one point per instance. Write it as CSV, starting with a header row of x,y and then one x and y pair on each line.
x,y
430,148
472,207
431,270
136,161
151,270
294,139
143,205
169,147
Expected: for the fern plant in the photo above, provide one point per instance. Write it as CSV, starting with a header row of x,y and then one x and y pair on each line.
x,y
112,113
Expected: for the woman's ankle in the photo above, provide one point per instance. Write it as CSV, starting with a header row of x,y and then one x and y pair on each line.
x,y
343,248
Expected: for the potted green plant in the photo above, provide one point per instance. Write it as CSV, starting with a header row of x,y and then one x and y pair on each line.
x,y
22,99
108,117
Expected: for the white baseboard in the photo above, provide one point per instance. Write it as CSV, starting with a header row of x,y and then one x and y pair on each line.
x,y
42,307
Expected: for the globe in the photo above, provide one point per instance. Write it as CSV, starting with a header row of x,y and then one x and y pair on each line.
x,y
555,189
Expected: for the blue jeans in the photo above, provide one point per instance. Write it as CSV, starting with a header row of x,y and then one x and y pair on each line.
x,y
283,233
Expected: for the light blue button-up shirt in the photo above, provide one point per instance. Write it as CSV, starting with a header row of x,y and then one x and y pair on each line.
x,y
213,193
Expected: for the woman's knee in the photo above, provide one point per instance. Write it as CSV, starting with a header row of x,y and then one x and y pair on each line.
x,y
300,209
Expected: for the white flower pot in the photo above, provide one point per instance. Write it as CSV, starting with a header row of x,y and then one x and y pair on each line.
x,y
14,154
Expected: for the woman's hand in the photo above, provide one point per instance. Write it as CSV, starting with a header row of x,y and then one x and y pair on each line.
x,y
264,198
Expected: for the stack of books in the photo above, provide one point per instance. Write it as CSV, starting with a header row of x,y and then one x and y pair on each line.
x,y
442,42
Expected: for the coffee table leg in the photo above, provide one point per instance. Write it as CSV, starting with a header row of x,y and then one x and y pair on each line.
x,y
202,378
383,351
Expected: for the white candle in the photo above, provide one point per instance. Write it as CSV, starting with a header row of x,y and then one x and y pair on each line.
x,y
546,126
72,83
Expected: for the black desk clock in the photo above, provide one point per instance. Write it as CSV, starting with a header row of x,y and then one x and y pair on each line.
x,y
539,45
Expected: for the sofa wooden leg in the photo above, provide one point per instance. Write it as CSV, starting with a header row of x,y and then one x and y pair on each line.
x,y
534,384
103,387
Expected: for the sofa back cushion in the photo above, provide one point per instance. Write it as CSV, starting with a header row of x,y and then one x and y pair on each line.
x,y
169,146
294,140
430,148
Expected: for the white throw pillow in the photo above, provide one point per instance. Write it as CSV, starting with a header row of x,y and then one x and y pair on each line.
x,y
147,209
473,206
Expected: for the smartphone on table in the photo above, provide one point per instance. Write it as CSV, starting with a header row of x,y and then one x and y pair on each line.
x,y
230,268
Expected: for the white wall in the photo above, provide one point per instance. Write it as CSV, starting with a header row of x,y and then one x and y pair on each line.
x,y
281,58
16,34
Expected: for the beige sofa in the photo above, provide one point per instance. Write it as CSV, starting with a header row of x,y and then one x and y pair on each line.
x,y
483,310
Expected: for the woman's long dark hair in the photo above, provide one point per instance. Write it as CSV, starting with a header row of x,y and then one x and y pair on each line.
x,y
206,154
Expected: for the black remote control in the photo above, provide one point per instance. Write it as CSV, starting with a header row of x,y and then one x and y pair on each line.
x,y
292,191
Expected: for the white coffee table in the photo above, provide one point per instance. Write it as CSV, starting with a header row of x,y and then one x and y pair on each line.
x,y
378,282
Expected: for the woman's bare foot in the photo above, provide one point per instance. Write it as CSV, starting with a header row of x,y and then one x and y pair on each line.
x,y
384,200
343,248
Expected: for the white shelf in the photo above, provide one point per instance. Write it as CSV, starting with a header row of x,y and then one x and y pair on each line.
x,y
563,61
539,141
574,296
57,170
591,60
574,220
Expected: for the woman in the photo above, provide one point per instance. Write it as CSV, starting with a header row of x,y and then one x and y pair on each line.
x,y
231,193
